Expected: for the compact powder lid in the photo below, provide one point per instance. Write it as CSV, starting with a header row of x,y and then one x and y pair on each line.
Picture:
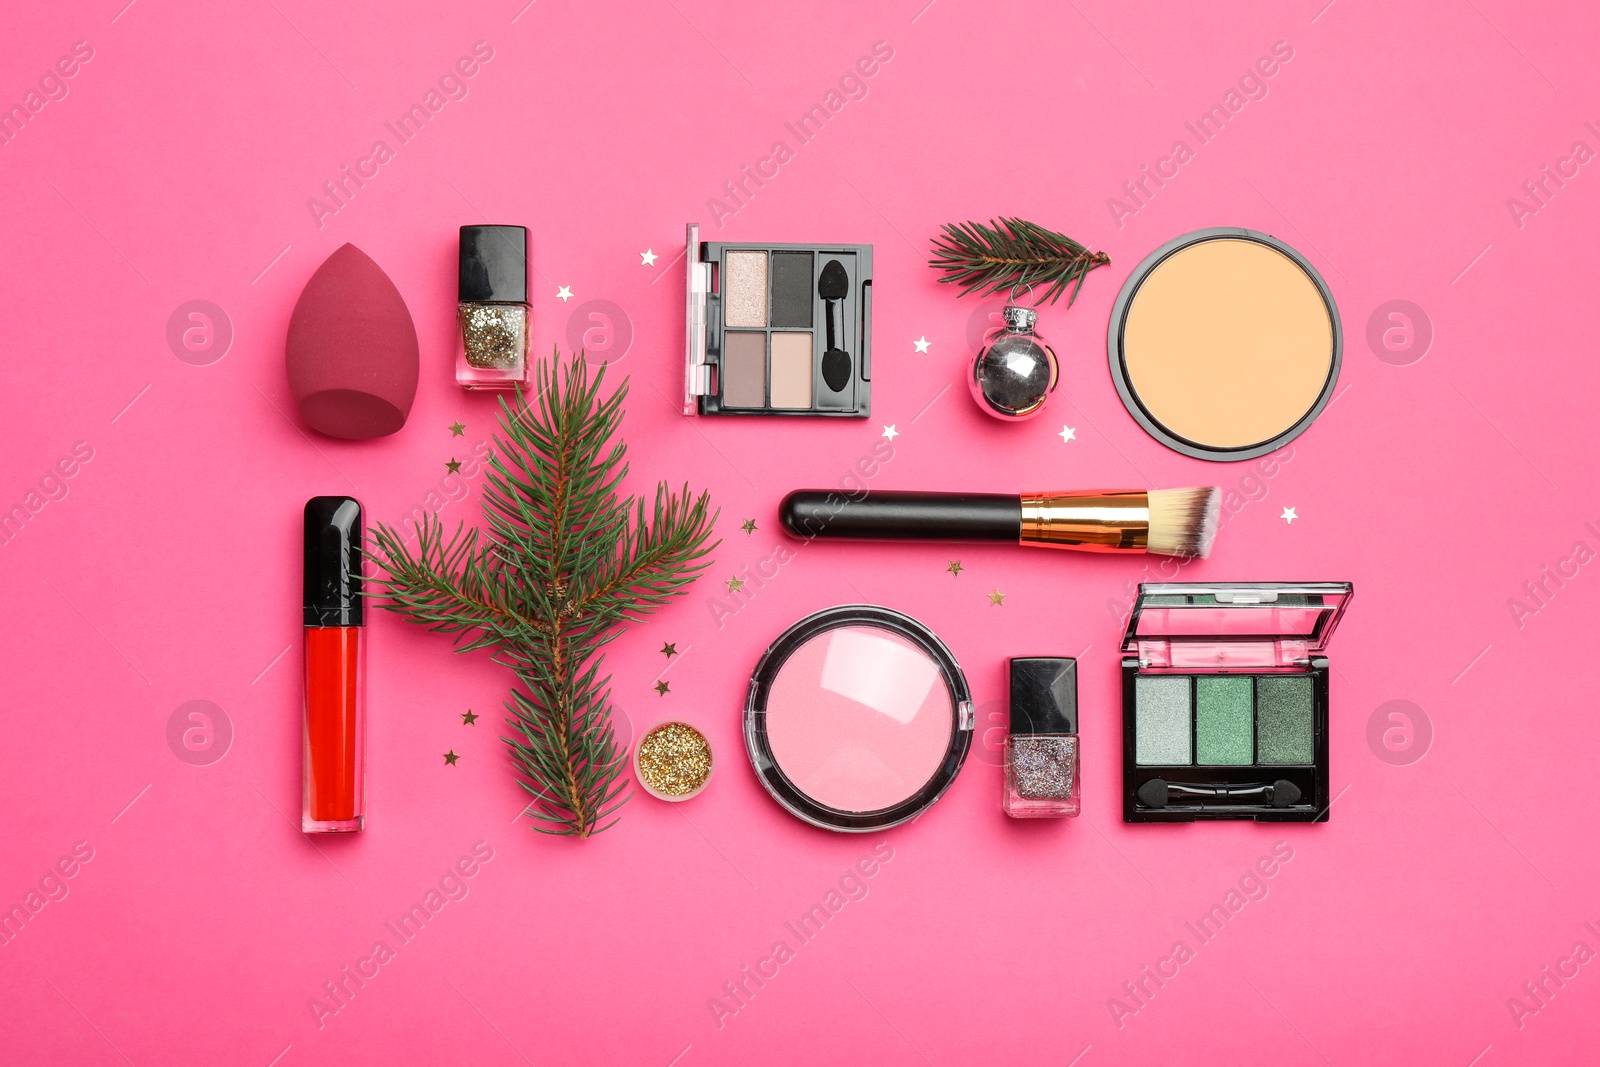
x,y
858,718
1225,344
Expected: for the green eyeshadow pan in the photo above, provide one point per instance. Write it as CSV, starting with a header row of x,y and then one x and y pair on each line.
x,y
1283,719
1164,718
1223,729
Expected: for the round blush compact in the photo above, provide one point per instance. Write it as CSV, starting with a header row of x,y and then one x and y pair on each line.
x,y
858,718
1225,344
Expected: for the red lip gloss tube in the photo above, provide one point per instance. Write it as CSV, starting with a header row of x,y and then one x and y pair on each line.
x,y
335,657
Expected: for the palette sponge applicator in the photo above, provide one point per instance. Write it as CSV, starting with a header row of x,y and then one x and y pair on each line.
x,y
352,350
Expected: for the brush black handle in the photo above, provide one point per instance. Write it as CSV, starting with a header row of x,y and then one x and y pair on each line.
x,y
890,516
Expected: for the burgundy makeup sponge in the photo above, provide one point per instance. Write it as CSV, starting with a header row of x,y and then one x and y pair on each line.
x,y
352,351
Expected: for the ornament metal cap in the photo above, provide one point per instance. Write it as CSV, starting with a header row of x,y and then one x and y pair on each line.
x,y
1019,318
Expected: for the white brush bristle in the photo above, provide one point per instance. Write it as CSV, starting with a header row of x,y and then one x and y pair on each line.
x,y
1183,522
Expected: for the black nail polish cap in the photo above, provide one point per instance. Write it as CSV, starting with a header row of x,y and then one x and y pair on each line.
x,y
1044,695
333,562
494,265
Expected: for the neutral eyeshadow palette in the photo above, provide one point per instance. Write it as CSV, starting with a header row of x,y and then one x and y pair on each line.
x,y
1225,701
777,329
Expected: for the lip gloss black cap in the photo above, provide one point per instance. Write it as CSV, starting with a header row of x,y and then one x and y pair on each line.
x,y
494,265
333,562
1044,695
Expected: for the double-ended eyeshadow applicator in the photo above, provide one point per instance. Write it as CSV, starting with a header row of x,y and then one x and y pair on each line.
x,y
1166,522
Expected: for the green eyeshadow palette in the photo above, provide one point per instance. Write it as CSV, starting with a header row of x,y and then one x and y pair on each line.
x,y
1225,701
777,329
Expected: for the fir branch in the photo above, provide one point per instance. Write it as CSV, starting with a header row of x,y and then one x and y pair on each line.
x,y
562,563
450,587
1010,253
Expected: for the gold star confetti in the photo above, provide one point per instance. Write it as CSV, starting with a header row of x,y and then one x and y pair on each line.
x,y
997,598
663,688
748,526
454,466
469,717
450,758
734,584
955,568
457,429
669,650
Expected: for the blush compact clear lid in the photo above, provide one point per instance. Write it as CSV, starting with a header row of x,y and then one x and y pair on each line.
x,y
859,718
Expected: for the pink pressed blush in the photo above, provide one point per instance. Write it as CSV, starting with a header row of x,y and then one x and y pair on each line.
x,y
859,718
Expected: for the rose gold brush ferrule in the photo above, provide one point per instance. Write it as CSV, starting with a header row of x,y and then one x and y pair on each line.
x,y
1094,520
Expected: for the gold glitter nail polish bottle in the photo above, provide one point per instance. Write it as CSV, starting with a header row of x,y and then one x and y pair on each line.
x,y
492,318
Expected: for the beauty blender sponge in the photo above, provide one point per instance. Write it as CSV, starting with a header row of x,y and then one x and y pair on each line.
x,y
352,350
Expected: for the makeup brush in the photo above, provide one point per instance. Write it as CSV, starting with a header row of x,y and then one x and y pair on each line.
x,y
1167,522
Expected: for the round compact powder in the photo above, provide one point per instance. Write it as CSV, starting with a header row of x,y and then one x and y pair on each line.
x,y
1225,344
858,719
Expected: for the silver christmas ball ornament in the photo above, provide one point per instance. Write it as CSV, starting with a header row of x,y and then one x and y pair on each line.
x,y
1014,374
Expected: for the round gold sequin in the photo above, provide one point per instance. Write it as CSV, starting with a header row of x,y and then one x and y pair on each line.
x,y
674,759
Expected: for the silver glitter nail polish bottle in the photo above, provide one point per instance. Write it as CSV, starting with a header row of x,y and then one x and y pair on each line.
x,y
1042,747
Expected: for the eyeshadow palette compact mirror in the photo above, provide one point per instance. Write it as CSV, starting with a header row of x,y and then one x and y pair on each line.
x,y
1225,344
1225,701
777,329
858,719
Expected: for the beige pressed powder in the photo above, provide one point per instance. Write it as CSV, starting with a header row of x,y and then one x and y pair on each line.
x,y
1227,343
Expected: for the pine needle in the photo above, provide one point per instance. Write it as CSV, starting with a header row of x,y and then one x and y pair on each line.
x,y
1008,254
561,564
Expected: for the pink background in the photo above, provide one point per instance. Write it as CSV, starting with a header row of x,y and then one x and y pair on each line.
x,y
178,167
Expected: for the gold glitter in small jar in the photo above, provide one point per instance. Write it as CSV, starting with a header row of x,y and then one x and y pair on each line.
x,y
673,761
494,335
